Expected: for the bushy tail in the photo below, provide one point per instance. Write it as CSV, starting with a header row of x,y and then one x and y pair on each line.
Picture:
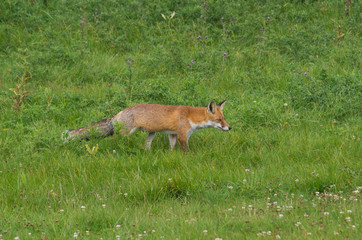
x,y
102,128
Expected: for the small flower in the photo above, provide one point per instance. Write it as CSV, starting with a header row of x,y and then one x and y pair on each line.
x,y
305,73
281,215
118,227
326,213
104,205
87,232
170,179
268,18
192,61
309,233
348,219
306,215
75,235
277,236
161,46
296,180
294,71
114,151
244,181
83,208
230,187
222,18
198,37
205,232
268,233
118,237
125,194
349,211
205,37
224,53
96,9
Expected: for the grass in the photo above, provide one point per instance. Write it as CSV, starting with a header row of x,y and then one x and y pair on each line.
x,y
289,168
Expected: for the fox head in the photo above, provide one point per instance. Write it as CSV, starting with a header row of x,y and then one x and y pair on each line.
x,y
215,116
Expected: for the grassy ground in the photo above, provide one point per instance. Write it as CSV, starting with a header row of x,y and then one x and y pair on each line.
x,y
290,168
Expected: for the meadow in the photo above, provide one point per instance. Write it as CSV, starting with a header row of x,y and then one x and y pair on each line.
x,y
290,168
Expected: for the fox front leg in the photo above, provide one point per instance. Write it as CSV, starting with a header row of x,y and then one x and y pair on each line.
x,y
183,139
173,140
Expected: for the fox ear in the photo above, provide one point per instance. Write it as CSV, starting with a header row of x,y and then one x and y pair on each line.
x,y
212,107
221,105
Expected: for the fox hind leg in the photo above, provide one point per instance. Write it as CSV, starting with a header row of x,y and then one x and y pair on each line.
x,y
149,140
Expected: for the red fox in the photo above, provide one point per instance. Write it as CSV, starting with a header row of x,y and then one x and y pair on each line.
x,y
176,121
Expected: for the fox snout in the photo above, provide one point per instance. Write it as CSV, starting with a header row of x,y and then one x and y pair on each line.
x,y
226,128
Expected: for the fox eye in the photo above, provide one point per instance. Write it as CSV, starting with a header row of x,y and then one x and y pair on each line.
x,y
218,120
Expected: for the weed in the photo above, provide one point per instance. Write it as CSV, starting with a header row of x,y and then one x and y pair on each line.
x,y
129,62
20,91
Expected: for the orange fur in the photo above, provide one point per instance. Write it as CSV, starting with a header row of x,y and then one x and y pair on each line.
x,y
177,121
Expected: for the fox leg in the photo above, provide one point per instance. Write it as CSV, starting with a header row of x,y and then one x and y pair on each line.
x,y
182,138
149,139
173,140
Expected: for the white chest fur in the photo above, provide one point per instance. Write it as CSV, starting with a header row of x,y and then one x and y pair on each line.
x,y
197,126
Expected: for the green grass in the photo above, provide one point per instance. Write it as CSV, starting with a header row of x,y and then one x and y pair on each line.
x,y
293,85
